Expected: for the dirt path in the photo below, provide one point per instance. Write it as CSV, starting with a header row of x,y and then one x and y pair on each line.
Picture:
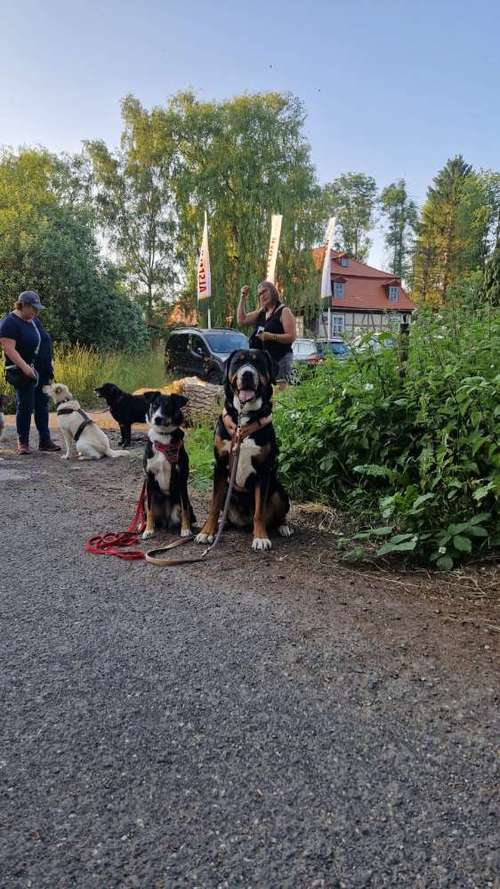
x,y
259,720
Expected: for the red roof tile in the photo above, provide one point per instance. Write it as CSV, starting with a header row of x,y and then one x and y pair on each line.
x,y
365,287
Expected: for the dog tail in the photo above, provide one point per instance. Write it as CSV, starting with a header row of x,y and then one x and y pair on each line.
x,y
114,454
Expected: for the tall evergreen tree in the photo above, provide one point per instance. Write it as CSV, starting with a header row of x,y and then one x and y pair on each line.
x,y
400,213
352,199
452,235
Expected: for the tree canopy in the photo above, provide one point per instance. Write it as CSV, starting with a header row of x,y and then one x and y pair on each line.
x,y
50,246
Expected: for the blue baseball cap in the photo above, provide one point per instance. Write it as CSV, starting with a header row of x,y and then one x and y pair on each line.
x,y
30,298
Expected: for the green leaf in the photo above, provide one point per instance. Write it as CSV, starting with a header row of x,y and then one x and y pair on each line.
x,y
480,517
483,491
391,547
445,563
422,499
462,544
478,531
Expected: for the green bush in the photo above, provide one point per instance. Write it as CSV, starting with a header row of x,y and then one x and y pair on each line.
x,y
414,455
82,368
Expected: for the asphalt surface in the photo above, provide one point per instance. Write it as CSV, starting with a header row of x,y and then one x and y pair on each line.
x,y
224,727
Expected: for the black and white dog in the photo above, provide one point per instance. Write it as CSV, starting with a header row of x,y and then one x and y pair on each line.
x,y
166,465
258,499
125,408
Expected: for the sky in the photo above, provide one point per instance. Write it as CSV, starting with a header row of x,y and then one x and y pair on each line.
x,y
392,88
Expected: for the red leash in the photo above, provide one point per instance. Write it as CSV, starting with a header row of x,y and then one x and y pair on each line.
x,y
112,543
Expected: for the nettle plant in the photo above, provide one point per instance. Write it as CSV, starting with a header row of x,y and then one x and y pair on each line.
x,y
408,446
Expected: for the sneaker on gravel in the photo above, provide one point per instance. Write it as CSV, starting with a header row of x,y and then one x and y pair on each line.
x,y
48,446
23,449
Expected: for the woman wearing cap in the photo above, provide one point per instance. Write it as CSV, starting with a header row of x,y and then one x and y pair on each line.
x,y
28,366
275,327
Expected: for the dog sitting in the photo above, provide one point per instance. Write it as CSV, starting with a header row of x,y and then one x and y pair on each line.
x,y
258,498
166,465
80,433
125,408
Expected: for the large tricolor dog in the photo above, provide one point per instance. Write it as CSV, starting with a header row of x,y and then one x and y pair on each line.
x,y
166,465
258,499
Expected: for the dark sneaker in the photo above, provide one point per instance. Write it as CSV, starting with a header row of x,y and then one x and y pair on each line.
x,y
22,449
48,446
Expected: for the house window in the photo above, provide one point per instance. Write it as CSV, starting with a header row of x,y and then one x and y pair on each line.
x,y
344,261
338,325
339,290
393,294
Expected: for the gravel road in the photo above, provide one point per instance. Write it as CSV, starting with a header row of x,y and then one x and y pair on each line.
x,y
270,720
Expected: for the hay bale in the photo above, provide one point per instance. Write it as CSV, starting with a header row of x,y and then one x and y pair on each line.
x,y
204,399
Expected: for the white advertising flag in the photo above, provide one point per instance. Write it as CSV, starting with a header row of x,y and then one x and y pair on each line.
x,y
204,278
272,254
326,276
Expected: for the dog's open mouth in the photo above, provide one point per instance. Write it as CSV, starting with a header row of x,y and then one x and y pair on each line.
x,y
245,395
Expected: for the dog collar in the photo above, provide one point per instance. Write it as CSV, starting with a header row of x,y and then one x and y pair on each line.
x,y
171,451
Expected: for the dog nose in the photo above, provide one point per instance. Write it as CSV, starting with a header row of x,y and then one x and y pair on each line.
x,y
247,378
159,421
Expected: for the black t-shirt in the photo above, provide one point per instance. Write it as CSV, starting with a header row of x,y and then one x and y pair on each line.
x,y
273,324
25,333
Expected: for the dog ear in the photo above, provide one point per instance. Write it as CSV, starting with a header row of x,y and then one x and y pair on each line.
x,y
150,396
179,401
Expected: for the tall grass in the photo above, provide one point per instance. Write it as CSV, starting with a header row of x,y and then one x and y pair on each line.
x,y
82,369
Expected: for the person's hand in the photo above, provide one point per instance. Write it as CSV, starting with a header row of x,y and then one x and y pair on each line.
x,y
32,374
263,336
245,291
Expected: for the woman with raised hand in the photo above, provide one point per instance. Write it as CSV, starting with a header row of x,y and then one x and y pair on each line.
x,y
274,326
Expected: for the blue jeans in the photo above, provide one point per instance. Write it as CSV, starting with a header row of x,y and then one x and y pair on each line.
x,y
28,401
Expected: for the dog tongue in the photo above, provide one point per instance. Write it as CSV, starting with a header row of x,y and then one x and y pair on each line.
x,y
245,395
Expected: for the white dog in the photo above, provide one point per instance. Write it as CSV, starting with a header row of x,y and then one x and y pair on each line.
x,y
80,433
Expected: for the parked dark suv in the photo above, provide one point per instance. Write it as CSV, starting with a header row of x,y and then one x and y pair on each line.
x,y
202,353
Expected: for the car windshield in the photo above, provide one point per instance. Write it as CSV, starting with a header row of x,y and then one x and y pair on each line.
x,y
226,342
339,348
304,347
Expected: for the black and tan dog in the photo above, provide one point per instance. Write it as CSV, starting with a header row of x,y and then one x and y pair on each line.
x,y
166,465
258,499
124,408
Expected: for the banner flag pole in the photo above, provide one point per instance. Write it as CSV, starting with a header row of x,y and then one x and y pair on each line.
x,y
326,274
204,277
272,253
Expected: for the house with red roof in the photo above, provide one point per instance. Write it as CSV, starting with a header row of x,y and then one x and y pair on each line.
x,y
363,298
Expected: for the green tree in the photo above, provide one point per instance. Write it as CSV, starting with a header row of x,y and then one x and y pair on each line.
x,y
400,213
490,291
352,199
454,232
51,247
242,160
134,200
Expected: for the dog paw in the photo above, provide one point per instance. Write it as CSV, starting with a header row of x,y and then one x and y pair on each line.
x,y
285,531
204,538
261,543
147,534
64,456
185,532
